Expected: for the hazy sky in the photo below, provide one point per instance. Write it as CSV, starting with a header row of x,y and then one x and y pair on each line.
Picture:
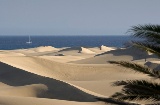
x,y
75,17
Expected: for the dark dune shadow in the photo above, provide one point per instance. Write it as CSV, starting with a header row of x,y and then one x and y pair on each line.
x,y
74,48
136,53
154,66
56,89
70,49
42,53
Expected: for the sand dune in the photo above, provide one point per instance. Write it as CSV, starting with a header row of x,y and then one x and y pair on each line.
x,y
129,54
8,53
64,59
77,50
96,50
71,73
52,69
28,84
45,48
7,100
153,65
38,51
86,51
43,76
105,48
32,90
61,71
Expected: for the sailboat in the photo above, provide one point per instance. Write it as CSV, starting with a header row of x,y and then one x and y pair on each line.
x,y
29,40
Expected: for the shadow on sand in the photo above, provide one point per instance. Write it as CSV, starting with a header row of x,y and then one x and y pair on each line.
x,y
56,89
136,53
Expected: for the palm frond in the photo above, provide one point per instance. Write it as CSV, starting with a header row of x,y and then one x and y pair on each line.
x,y
141,89
148,47
148,31
138,68
137,90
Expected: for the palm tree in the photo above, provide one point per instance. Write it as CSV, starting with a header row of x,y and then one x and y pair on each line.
x,y
150,34
141,89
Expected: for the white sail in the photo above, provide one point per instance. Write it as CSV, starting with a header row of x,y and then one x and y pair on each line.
x,y
29,40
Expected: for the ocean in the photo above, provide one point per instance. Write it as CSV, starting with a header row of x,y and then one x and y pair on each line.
x,y
19,42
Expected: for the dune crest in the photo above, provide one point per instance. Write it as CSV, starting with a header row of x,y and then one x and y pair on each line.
x,y
86,51
45,48
64,74
105,48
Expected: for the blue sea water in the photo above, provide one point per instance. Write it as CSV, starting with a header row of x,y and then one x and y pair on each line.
x,y
19,42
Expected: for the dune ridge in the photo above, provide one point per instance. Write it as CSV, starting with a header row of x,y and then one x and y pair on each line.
x,y
33,85
75,76
86,51
45,48
126,54
105,48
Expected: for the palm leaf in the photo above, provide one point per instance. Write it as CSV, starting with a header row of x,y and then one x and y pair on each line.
x,y
137,90
149,32
148,47
138,68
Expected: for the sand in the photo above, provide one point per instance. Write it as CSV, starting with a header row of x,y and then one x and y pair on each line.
x,y
65,76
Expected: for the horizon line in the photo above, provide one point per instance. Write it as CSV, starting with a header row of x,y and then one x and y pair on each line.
x,y
64,35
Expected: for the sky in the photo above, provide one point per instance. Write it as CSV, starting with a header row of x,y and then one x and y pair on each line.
x,y
75,17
